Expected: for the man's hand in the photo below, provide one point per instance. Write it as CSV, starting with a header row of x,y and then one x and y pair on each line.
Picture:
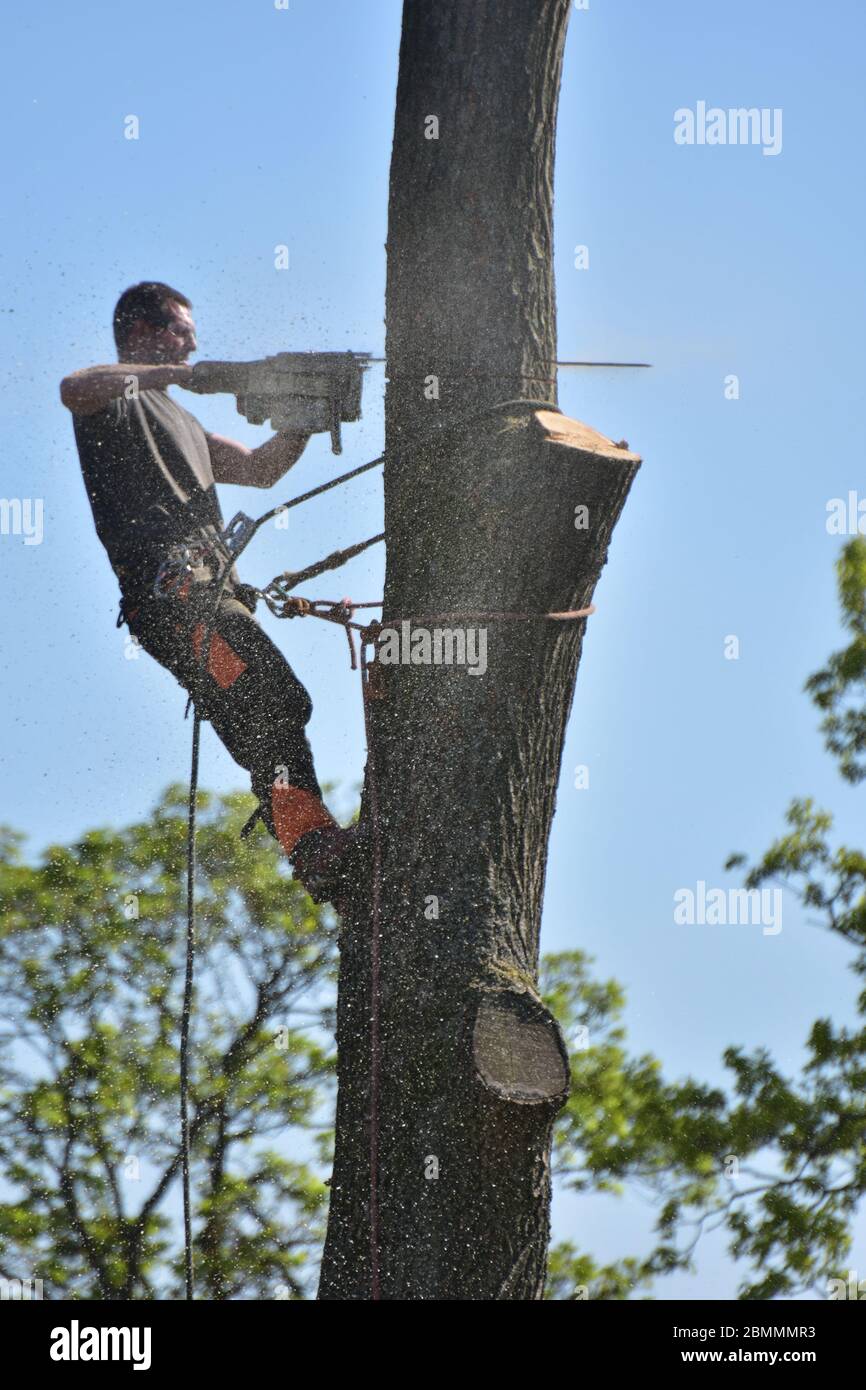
x,y
184,375
206,378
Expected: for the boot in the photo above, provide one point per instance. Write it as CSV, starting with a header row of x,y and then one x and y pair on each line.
x,y
325,862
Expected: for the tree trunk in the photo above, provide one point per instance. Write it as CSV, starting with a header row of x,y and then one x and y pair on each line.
x,y
480,503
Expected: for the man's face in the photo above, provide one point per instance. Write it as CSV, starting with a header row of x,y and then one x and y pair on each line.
x,y
173,343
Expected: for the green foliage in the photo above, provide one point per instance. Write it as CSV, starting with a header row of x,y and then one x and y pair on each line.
x,y
794,1223
624,1126
798,1142
839,691
90,978
89,1072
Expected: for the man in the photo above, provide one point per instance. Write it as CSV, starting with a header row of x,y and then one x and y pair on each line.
x,y
150,472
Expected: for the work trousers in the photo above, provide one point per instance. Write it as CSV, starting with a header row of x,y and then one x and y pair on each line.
x,y
246,689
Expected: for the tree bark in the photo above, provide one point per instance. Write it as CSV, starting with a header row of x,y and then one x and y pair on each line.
x,y
480,503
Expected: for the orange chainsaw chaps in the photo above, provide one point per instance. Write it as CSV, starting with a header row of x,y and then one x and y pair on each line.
x,y
296,812
223,663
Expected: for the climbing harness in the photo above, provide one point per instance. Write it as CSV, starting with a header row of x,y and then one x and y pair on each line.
x,y
218,553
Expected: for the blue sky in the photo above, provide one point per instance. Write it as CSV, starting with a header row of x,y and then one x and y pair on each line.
x,y
260,127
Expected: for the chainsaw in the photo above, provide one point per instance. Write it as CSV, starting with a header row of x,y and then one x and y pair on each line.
x,y
307,392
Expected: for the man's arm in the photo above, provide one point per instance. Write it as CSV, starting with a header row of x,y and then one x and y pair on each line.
x,y
90,389
261,467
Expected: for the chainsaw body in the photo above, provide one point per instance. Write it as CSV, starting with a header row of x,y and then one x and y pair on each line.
x,y
310,392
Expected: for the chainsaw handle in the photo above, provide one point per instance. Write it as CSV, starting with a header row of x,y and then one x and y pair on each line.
x,y
207,378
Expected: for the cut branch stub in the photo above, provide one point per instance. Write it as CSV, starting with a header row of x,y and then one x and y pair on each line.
x,y
518,1050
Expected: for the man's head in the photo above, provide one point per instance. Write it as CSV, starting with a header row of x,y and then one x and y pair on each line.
x,y
153,323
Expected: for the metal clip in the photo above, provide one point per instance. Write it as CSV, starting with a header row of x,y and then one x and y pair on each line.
x,y
178,562
239,530
197,552
276,596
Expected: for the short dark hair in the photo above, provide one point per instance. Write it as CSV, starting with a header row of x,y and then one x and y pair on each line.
x,y
148,301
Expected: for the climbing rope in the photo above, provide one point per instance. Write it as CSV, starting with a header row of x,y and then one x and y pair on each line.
x,y
187,1007
225,551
